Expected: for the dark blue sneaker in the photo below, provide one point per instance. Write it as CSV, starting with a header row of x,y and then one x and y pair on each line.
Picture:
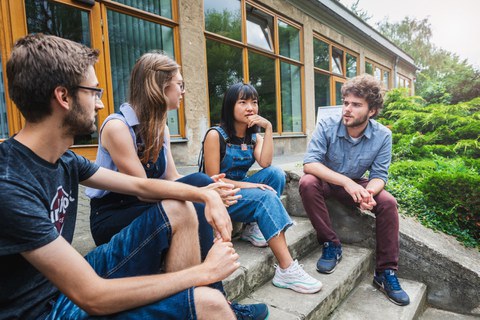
x,y
387,282
257,311
331,256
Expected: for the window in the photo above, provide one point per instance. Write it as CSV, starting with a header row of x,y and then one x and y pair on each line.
x,y
404,82
159,7
333,65
274,69
380,72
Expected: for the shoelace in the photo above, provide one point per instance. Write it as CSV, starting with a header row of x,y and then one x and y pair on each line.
x,y
392,280
328,252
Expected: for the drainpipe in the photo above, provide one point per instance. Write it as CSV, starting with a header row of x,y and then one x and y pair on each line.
x,y
395,67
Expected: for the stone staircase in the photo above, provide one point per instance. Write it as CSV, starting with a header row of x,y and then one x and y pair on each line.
x,y
348,293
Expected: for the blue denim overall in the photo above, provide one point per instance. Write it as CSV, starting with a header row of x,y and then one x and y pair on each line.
x,y
256,205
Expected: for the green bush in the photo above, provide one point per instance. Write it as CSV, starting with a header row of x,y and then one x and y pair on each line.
x,y
458,194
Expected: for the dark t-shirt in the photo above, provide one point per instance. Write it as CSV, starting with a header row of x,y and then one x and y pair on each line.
x,y
38,202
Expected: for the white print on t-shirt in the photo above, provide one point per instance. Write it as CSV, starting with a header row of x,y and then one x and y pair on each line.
x,y
58,208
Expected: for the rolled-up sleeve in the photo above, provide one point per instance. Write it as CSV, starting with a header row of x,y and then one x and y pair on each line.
x,y
380,165
317,148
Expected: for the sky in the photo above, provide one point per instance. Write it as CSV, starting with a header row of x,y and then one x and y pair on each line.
x,y
455,24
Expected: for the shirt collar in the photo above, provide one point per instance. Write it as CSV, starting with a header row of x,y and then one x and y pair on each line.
x,y
129,114
342,130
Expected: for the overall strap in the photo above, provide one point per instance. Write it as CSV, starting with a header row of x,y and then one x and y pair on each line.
x,y
201,160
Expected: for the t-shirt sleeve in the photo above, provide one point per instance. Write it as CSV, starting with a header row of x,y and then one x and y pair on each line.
x,y
24,220
86,168
317,147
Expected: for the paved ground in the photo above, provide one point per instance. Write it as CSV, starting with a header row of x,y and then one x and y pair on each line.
x,y
83,241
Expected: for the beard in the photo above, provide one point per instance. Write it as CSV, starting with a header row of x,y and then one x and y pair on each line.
x,y
77,122
356,122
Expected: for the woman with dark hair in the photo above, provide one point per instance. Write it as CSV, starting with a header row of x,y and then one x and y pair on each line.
x,y
232,148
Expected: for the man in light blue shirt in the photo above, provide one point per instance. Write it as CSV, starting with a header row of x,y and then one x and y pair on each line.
x,y
340,153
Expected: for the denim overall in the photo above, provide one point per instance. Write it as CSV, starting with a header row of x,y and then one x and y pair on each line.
x,y
255,205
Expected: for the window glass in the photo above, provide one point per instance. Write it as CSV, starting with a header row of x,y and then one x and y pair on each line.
x,y
130,37
378,74
338,93
322,90
3,107
289,40
224,65
262,77
321,54
160,7
386,79
224,18
351,66
369,68
291,97
259,29
62,21
59,20
337,57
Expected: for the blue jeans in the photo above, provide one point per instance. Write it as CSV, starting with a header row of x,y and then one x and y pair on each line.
x,y
139,249
263,206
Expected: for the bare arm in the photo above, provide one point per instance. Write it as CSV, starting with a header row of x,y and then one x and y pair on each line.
x,y
73,276
172,173
264,147
215,212
321,171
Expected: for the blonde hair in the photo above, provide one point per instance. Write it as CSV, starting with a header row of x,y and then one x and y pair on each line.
x,y
150,76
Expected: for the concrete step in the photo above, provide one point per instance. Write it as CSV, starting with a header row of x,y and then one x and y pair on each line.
x,y
366,302
286,304
437,314
257,263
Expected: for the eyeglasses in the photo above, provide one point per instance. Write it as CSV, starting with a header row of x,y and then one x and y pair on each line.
x,y
98,91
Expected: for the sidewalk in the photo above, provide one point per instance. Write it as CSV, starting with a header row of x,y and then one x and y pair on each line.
x,y
82,239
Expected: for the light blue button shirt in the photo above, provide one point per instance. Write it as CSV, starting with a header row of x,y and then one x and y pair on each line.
x,y
333,147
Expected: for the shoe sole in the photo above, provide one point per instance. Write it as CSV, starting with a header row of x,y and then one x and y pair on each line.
x,y
382,289
297,288
330,271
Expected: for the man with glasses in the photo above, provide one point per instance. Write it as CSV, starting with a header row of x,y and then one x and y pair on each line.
x,y
341,151
53,83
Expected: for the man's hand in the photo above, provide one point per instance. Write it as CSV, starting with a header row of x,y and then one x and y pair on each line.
x,y
225,190
221,260
368,205
359,194
216,213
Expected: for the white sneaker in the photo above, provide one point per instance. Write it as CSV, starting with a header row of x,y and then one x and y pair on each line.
x,y
253,234
295,278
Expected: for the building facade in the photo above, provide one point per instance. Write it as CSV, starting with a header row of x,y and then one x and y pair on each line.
x,y
297,53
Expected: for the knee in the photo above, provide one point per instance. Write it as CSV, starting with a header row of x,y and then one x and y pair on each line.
x,y
198,179
210,303
181,214
387,203
308,183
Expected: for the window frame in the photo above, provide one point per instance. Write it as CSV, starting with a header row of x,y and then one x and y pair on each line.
x,y
98,24
376,65
278,58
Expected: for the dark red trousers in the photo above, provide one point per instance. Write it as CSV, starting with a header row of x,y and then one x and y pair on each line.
x,y
314,192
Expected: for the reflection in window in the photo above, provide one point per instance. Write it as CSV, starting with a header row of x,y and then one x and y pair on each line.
x,y
351,66
129,38
291,98
369,68
386,79
289,40
337,57
322,90
224,65
378,74
338,93
224,18
321,54
59,20
160,7
262,77
259,29
3,107
62,21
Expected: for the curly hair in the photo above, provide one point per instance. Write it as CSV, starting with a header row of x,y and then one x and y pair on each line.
x,y
367,87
